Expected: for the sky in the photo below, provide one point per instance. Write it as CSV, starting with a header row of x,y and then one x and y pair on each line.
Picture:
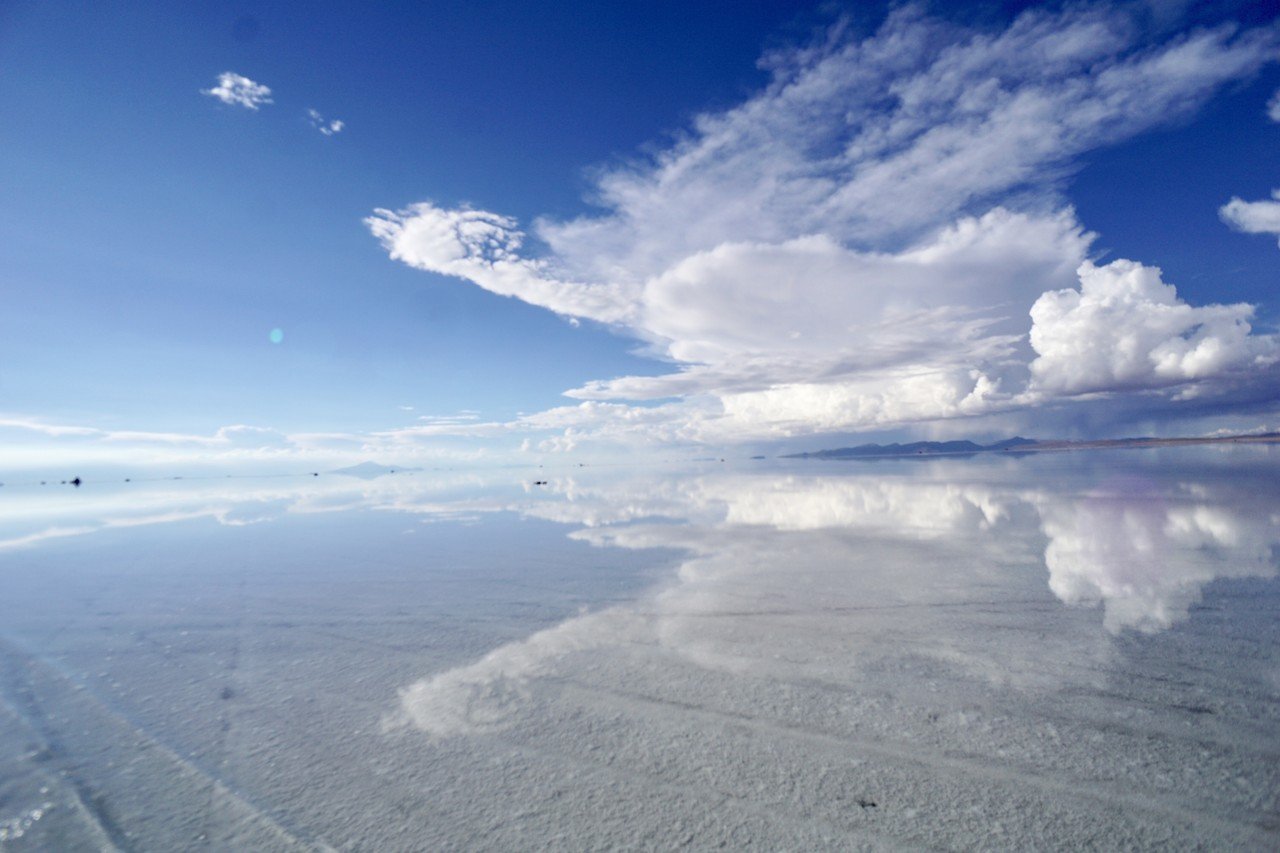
x,y
463,232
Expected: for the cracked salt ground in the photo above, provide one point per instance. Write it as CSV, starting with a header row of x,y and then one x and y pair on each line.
x,y
1057,652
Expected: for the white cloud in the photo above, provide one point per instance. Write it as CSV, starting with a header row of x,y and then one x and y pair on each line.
x,y
328,128
1273,107
891,136
860,244
461,419
483,248
52,430
1126,329
29,444
236,90
1253,217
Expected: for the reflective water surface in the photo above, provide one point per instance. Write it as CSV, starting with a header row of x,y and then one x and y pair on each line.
x,y
1052,651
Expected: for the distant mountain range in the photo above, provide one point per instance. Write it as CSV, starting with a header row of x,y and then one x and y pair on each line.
x,y
369,470
1018,445
915,448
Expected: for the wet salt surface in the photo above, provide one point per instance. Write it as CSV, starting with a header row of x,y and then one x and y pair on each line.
x,y
1055,651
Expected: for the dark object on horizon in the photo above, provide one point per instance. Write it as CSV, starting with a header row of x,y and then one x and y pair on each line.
x,y
539,482
315,473
76,482
866,804
757,457
127,480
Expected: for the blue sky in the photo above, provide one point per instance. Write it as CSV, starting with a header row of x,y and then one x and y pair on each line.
x,y
718,224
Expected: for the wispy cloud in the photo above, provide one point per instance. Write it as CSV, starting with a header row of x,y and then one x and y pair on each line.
x,y
237,90
876,238
27,443
53,430
1273,107
463,417
327,127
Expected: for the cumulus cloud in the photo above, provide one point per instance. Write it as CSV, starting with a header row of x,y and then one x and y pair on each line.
x,y
237,90
860,243
1126,329
1273,107
328,128
1253,217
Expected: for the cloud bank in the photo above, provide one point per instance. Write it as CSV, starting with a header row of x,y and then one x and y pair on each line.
x,y
237,90
878,238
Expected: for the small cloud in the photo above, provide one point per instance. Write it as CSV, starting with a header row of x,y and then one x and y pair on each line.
x,y
1273,107
236,90
328,128
462,417
405,408
1254,217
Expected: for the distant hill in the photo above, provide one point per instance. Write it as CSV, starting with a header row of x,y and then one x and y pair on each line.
x,y
915,448
369,470
1021,445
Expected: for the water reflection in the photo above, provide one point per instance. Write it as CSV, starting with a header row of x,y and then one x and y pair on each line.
x,y
1142,547
820,577
1146,553
1081,642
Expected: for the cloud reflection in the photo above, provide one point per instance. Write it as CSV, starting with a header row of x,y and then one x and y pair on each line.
x,y
1146,558
820,573
827,578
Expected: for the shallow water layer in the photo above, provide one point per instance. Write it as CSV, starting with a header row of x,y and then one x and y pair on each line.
x,y
1051,651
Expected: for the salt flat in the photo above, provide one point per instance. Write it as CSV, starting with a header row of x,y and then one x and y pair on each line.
x,y
1050,652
